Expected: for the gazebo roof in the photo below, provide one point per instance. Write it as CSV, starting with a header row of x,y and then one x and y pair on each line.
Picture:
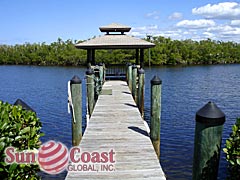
x,y
115,41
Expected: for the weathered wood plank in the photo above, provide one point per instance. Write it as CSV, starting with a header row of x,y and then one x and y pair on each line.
x,y
116,123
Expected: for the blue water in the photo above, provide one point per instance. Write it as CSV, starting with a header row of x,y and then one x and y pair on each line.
x,y
184,91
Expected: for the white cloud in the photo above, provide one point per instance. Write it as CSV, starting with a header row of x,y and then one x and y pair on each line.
x,y
185,32
225,10
152,27
226,32
219,28
235,23
193,29
213,31
153,15
175,16
143,30
209,35
196,24
232,32
137,34
174,34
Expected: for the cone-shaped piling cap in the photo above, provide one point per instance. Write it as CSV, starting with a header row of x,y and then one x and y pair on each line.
x,y
156,80
89,71
23,104
134,66
76,80
210,114
141,71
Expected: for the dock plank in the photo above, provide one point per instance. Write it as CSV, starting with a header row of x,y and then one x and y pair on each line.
x,y
116,124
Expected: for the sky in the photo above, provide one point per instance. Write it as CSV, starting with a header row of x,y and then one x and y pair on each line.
x,y
38,21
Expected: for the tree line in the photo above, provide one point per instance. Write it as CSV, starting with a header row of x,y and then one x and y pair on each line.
x,y
166,52
174,52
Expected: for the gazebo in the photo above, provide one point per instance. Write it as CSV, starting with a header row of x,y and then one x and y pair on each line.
x,y
115,38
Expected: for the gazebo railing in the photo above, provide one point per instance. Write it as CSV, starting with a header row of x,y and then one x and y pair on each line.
x,y
112,71
116,71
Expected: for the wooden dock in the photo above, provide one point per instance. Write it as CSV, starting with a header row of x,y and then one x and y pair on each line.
x,y
116,124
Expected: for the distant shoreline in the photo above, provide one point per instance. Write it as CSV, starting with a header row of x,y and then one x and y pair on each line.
x,y
166,52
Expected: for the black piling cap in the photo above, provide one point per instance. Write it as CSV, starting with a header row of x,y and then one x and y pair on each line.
x,y
89,71
134,66
76,80
24,105
211,115
141,71
156,80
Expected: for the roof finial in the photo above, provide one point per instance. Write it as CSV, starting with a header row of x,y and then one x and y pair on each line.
x,y
115,27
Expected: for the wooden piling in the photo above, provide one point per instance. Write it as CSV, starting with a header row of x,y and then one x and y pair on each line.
x,y
76,94
127,72
134,82
156,84
97,86
141,85
89,65
101,74
130,76
90,90
104,73
207,143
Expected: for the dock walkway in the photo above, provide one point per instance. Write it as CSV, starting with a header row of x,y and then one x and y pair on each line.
x,y
116,124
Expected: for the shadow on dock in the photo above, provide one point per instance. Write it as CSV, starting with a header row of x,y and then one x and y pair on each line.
x,y
137,129
126,92
132,105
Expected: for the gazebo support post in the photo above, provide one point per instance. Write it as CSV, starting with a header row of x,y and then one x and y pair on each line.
x,y
89,54
141,58
137,56
93,57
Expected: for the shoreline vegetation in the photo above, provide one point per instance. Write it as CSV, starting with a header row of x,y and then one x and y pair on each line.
x,y
166,52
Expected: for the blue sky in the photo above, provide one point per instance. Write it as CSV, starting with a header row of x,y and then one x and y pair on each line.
x,y
37,21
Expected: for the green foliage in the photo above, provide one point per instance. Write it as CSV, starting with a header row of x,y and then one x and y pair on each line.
x,y
172,52
166,52
21,129
57,53
232,151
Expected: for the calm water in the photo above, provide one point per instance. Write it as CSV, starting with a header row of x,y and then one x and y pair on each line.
x,y
184,91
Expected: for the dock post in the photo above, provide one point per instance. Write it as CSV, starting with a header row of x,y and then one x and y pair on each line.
x,y
104,73
101,74
134,82
141,85
97,85
127,72
156,84
207,143
76,94
130,76
90,90
88,65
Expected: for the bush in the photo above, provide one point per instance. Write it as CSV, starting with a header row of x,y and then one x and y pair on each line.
x,y
232,151
21,129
